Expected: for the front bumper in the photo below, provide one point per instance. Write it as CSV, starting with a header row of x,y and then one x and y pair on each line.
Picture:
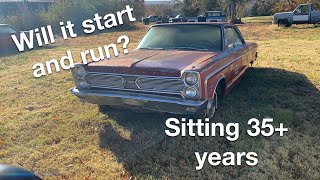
x,y
142,101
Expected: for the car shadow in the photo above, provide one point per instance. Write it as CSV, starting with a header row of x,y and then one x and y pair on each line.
x,y
139,142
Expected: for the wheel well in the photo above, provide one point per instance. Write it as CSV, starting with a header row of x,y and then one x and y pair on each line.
x,y
282,20
222,87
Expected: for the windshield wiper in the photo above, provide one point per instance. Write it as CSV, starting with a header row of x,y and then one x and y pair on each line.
x,y
189,48
153,48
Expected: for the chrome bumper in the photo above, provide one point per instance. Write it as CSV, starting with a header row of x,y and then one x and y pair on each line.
x,y
143,101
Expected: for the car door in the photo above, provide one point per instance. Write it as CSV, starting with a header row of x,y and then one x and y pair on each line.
x,y
155,18
301,14
234,46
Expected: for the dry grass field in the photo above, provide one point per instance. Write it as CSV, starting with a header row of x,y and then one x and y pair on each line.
x,y
45,129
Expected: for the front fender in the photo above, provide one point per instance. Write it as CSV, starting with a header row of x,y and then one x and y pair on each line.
x,y
211,84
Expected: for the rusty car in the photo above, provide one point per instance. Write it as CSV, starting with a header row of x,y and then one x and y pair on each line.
x,y
182,68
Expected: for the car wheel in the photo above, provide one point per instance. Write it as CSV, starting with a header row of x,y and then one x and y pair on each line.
x,y
103,109
212,106
282,23
288,24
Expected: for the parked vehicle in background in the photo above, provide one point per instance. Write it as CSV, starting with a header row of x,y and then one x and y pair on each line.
x,y
6,42
178,18
181,68
303,14
150,19
163,20
210,16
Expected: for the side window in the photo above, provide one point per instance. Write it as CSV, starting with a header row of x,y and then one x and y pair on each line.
x,y
238,39
232,38
302,10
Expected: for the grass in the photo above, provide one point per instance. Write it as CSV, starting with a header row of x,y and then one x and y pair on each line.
x,y
45,129
257,19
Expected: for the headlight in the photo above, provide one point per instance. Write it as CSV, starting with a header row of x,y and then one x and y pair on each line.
x,y
191,79
83,84
191,92
80,72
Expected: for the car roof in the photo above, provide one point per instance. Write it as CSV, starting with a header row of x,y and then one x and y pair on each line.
x,y
195,23
306,4
4,24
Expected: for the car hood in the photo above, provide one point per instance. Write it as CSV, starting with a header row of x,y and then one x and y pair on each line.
x,y
151,62
284,13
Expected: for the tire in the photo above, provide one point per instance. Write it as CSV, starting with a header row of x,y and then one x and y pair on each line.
x,y
288,25
280,23
284,22
103,109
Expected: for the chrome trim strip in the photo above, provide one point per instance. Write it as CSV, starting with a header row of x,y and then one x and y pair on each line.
x,y
136,90
150,101
237,77
115,74
218,70
145,98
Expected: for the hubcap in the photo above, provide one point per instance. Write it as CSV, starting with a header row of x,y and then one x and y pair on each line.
x,y
212,106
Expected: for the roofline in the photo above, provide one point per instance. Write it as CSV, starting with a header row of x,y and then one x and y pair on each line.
x,y
29,1
195,23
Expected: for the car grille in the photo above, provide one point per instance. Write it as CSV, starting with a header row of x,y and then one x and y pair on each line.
x,y
106,81
157,84
127,82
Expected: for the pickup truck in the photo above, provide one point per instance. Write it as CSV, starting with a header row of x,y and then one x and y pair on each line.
x,y
303,14
210,16
180,68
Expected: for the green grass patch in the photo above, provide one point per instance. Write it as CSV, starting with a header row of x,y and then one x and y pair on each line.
x,y
257,19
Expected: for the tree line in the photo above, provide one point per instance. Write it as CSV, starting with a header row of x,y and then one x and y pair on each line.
x,y
241,8
269,7
23,17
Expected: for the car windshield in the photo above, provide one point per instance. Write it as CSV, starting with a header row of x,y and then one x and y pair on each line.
x,y
7,30
213,14
189,37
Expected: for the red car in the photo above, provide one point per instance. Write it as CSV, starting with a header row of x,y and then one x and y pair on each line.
x,y
183,68
6,42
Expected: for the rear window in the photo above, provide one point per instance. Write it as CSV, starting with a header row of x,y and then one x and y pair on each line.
x,y
214,14
184,37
